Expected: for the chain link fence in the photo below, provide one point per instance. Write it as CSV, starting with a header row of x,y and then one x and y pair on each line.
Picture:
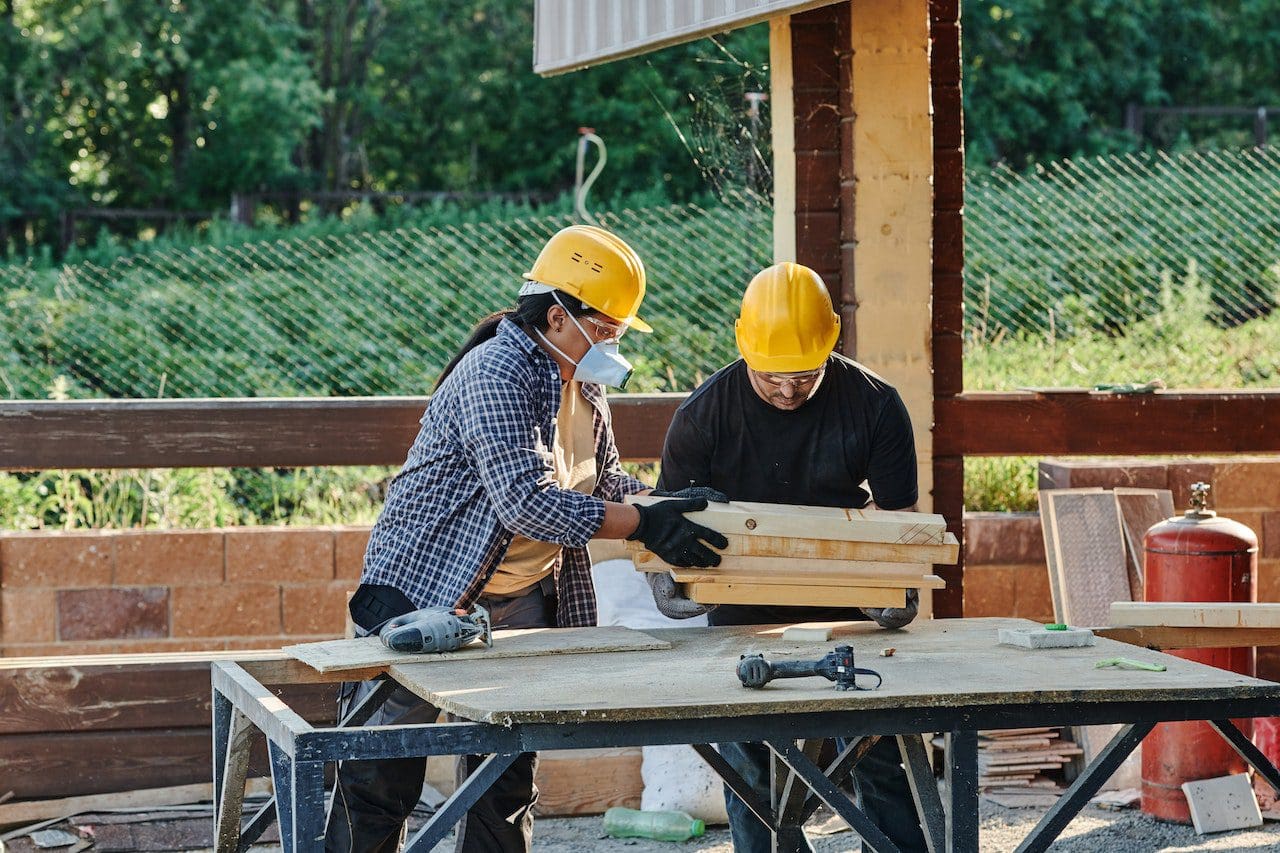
x,y
1096,245
1079,250
359,314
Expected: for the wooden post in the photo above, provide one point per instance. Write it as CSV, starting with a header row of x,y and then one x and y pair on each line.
x,y
889,148
782,118
948,279
819,39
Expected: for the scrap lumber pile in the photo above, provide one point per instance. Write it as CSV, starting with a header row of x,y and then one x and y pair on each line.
x,y
807,555
1020,758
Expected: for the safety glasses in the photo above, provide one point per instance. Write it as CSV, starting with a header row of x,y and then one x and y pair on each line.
x,y
608,332
798,381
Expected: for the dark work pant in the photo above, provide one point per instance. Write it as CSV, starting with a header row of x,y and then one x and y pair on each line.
x,y
884,793
373,799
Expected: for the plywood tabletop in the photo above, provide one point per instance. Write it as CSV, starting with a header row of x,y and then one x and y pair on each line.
x,y
938,663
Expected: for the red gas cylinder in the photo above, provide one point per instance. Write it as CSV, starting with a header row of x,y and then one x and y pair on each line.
x,y
1198,556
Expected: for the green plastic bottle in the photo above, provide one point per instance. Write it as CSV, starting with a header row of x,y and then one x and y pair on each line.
x,y
661,826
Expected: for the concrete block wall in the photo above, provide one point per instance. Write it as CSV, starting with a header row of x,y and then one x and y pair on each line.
x,y
109,592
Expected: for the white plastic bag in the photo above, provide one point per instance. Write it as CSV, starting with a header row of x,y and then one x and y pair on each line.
x,y
675,778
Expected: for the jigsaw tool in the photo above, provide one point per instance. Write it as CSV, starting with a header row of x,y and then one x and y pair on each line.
x,y
837,666
436,629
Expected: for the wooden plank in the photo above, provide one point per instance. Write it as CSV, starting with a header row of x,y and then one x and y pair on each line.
x,y
1160,637
1178,614
75,694
257,432
796,596
1139,510
799,548
588,781
1001,423
702,576
940,662
71,763
365,652
832,570
1089,547
747,518
23,813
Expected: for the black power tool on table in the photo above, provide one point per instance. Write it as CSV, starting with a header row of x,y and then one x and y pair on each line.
x,y
754,671
437,629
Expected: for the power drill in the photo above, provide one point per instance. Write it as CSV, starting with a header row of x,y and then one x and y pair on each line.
x,y
755,671
436,629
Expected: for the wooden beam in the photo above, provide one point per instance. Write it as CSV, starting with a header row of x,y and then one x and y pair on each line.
x,y
793,548
1006,424
1160,637
786,595
1184,614
257,432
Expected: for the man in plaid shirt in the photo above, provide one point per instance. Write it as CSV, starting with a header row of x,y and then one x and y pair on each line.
x,y
514,470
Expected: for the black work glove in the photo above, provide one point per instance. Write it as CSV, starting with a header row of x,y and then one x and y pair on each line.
x,y
665,531
705,492
895,617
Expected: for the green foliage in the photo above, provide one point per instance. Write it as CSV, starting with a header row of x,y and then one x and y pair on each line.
x,y
1046,80
1084,245
190,497
1000,484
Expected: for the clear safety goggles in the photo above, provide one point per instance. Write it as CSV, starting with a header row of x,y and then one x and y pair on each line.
x,y
607,332
798,381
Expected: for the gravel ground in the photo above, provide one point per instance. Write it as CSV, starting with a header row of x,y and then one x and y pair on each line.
x,y
1095,830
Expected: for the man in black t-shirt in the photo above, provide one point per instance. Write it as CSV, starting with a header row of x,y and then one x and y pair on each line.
x,y
795,423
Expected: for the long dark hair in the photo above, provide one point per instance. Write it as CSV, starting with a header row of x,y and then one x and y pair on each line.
x,y
530,313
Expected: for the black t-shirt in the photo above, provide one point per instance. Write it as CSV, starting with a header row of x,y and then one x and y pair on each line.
x,y
855,428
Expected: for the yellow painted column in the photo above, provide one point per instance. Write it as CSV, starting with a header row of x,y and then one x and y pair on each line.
x,y
889,261
782,122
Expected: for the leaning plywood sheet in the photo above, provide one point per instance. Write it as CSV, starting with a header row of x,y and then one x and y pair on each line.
x,y
1090,555
1195,614
817,522
1051,544
1139,510
796,547
365,652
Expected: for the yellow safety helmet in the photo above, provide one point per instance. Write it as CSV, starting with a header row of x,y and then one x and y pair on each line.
x,y
787,324
598,268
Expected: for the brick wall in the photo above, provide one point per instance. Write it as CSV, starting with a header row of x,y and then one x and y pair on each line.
x,y
110,592
145,591
1005,572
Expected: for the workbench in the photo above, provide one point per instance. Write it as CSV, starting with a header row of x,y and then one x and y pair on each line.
x,y
947,676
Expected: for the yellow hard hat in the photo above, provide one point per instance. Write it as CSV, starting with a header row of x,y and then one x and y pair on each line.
x,y
598,268
787,324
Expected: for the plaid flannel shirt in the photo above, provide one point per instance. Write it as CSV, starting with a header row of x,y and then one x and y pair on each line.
x,y
481,471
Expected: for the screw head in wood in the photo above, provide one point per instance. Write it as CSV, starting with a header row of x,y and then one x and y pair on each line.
x,y
751,524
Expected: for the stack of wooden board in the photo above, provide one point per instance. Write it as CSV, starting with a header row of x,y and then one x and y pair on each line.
x,y
805,555
1020,758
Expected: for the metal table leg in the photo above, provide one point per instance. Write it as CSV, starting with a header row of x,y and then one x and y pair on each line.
x,y
962,792
1085,786
924,791
835,799
454,808
299,801
1248,752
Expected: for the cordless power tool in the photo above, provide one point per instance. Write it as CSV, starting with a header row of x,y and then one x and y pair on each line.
x,y
837,666
437,629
